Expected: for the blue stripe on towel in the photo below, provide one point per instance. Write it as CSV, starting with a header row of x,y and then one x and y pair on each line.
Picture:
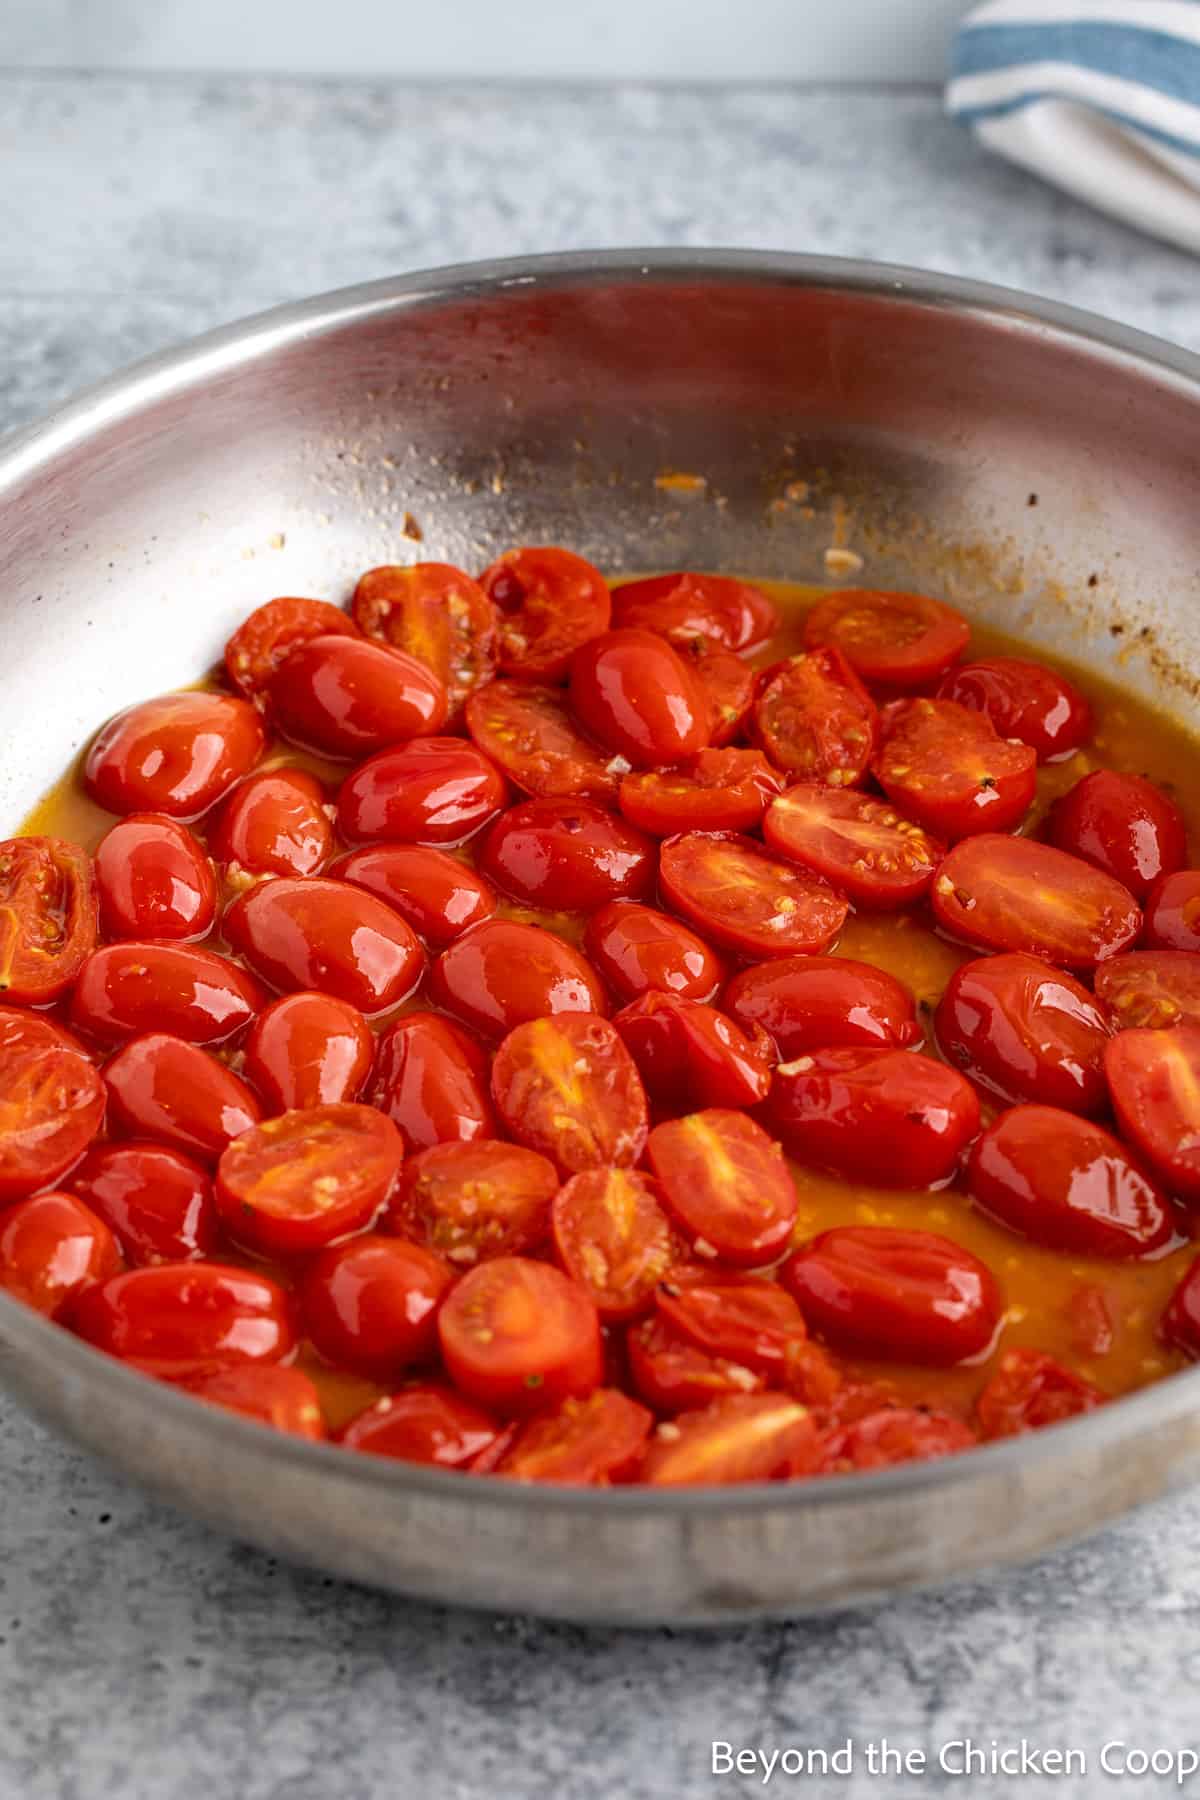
x,y
1152,59
971,115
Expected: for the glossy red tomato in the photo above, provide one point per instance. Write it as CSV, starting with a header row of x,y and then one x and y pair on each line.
x,y
285,1399
631,691
859,843
181,1321
431,791
124,989
673,1375
814,1002
261,642
567,856
744,1319
893,1118
277,823
897,640
470,1201
531,734
685,605
431,1080
746,901
308,1050
47,918
426,1423
587,1442
437,614
549,602
1023,700
1005,893
1124,825
897,1434
153,880
157,1202
1173,912
178,754
1065,1182
439,896
52,1247
908,1296
744,1437
1030,1390
1158,988
690,1055
950,772
815,720
162,1087
718,790
728,684
326,935
347,696
725,1182
566,1086
51,1103
639,950
500,973
1025,1032
1154,1077
371,1304
1180,1325
297,1182
518,1336
612,1236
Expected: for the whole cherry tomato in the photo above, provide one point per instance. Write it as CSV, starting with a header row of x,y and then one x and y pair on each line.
x,y
744,1437
1154,1077
1180,1325
430,791
860,844
52,1247
531,734
51,1103
277,823
439,615
548,601
124,989
1030,1390
815,1002
271,632
673,1375
181,1321
897,1434
153,880
587,1442
371,1304
728,685
726,1184
566,1086
47,918
1173,912
518,1336
949,771
177,754
632,691
425,1423
744,1319
1023,700
308,1050
746,901
897,640
1124,825
297,1182
1006,893
286,1399
684,606
347,696
567,856
470,1201
639,950
431,1080
319,934
689,1054
612,1236
1025,1032
815,720
1159,988
157,1202
161,1087
435,893
500,973
717,790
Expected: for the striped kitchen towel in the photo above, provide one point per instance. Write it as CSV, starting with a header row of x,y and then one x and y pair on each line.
x,y
1101,97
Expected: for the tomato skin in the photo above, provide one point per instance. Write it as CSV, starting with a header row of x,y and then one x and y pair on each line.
x,y
47,918
1006,893
549,602
586,1443
51,1103
1024,700
907,1296
856,842
128,988
1173,912
530,733
1065,1182
181,1321
1158,988
52,1247
286,1399
271,632
685,605
471,1200
716,790
949,771
432,891
1154,1078
176,755
323,935
728,685
726,1184
893,1118
639,950
1029,1391
896,640
1122,824
674,1375
501,973
743,1437
613,1238
1180,1324
519,1337
743,1319
153,880
1025,1031
434,790
347,696
308,1049
161,1087
371,1304
425,1423
567,1087
689,1054
437,614
431,1081
157,1202
896,1434
298,1181
746,901
632,691
816,1002
275,823
815,720
567,856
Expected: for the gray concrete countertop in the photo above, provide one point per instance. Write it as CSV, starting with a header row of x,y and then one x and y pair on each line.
x,y
143,1658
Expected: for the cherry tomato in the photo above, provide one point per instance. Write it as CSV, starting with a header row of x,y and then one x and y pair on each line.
x,y
673,1375
51,1103
422,1424
860,844
815,720
811,1375
277,823
1154,1077
951,773
297,1182
470,1201
177,754
435,893
1030,1390
743,1437
814,1002
1159,988
1005,893
1065,1182
308,1050
371,1304
685,605
431,791
347,696
286,1399
567,1087
161,1087
612,1236
530,733
632,691
907,1296
638,950
437,614
1173,912
549,602
587,1442
326,935
52,1247
271,632
743,1319
746,901
518,1336
897,640
181,1321
47,918
1025,1032
718,790
893,1118
727,682
1124,825
124,989
688,1053
431,1080
896,1434
1180,1325
726,1184
567,856
153,880
157,1202
499,974
1023,700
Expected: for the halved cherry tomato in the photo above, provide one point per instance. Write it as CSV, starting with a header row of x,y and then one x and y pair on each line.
x,y
898,640
586,1443
894,1118
1173,912
726,1183
161,1087
530,733
181,1321
319,934
859,843
727,682
815,720
718,790
1154,1077
277,823
746,901
347,696
549,602
1065,1182
261,642
47,918
157,1202
744,1437
567,856
153,880
632,691
896,1434
639,950
518,1336
439,896
567,1087
1030,1390
285,1399
308,1050
127,988
950,772
422,1424
371,1304
1025,1032
52,1247
436,613
1158,988
814,1002
431,1080
811,1375
297,1182
744,1319
1124,825
1023,700
1180,1325
908,1296
1006,893
501,973
178,754
430,791
469,1201
686,605
673,1375
689,1054
612,1236
51,1103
